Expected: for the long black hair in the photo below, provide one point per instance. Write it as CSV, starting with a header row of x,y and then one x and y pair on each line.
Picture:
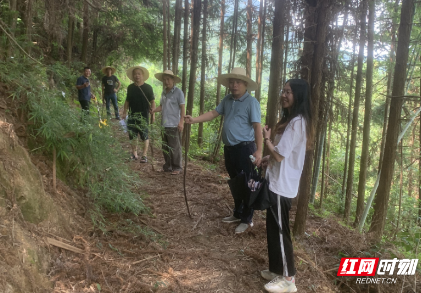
x,y
301,106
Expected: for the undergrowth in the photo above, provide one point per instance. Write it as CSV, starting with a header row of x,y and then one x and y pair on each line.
x,y
94,155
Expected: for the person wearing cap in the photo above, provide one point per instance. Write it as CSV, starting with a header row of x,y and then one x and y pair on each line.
x,y
241,134
172,105
84,90
140,101
110,86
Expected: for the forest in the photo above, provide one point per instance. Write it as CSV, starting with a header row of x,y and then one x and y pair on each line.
x,y
361,59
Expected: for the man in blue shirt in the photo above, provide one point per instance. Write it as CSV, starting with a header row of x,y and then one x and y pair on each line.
x,y
241,134
84,90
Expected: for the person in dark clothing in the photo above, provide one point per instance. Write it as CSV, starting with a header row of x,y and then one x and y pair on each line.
x,y
84,90
110,86
140,101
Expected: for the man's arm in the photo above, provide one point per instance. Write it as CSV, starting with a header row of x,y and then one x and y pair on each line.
x,y
182,114
158,109
208,116
258,138
118,86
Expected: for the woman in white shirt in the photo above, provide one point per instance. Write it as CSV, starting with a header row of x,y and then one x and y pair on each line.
x,y
284,167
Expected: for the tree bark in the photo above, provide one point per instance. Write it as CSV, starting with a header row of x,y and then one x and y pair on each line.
x,y
12,24
85,35
203,73
249,37
316,61
70,36
275,65
383,192
185,46
367,113
164,35
168,34
193,63
258,46
177,31
350,179
261,52
220,51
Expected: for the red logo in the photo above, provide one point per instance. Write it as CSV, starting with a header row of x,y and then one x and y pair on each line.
x,y
358,266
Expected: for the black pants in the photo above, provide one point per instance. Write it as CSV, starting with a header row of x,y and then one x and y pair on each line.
x,y
85,106
237,160
281,257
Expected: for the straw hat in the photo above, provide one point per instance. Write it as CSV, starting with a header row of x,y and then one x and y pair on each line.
x,y
160,76
129,72
104,70
237,73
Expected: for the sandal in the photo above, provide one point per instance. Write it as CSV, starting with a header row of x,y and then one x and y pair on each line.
x,y
176,172
143,159
133,157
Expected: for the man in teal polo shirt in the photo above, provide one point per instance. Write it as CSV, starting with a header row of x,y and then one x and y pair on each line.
x,y
241,134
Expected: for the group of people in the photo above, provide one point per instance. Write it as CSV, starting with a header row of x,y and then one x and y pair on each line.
x,y
242,135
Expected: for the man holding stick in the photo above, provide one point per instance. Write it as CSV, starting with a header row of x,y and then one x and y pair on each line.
x,y
241,134
172,106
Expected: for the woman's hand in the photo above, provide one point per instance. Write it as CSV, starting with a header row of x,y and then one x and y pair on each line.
x,y
266,132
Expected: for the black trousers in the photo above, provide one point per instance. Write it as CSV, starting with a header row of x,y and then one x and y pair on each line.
x,y
85,106
281,257
237,160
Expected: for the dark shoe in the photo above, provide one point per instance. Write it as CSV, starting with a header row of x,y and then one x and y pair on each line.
x,y
143,159
133,157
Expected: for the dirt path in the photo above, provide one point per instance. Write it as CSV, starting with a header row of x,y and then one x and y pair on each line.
x,y
166,251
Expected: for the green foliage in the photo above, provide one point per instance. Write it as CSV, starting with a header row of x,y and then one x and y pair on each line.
x,y
93,153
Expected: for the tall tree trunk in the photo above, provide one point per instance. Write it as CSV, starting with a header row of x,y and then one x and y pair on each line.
x,y
383,192
70,36
220,51
400,188
316,61
284,76
233,45
367,112
177,31
203,73
185,46
389,84
275,64
28,20
258,46
350,180
348,129
85,36
168,34
164,34
411,159
12,25
249,37
419,167
322,188
193,63
261,52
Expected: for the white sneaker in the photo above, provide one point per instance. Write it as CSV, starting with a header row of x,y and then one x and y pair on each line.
x,y
280,284
243,227
268,275
230,219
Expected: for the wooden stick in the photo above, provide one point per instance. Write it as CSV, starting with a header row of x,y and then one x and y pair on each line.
x,y
64,245
54,170
186,150
197,223
142,260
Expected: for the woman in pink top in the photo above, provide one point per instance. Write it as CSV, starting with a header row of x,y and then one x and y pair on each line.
x,y
284,167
